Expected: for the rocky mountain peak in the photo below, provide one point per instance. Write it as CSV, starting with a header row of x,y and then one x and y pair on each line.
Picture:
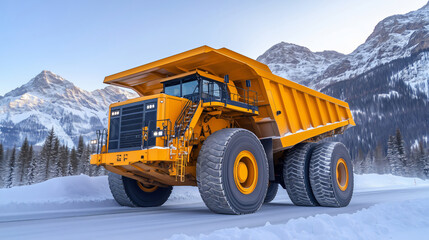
x,y
50,101
45,78
44,83
298,63
285,49
395,37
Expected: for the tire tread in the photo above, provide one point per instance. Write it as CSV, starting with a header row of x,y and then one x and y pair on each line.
x,y
296,176
117,189
209,171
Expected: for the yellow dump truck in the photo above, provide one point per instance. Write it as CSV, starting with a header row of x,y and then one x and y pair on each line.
x,y
221,121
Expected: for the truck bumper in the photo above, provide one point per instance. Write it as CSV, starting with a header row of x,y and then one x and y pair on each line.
x,y
130,157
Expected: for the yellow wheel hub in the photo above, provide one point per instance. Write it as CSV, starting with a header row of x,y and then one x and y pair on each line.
x,y
146,188
342,174
245,172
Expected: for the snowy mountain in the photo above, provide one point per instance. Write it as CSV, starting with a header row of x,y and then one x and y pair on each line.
x,y
395,37
298,63
49,100
385,80
381,101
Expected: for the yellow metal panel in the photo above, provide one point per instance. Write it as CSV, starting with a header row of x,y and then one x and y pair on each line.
x,y
337,111
130,157
331,112
309,112
315,112
282,119
229,106
322,111
292,112
293,139
328,109
156,64
201,73
300,110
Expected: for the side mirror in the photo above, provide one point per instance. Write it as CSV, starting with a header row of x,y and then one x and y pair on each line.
x,y
226,78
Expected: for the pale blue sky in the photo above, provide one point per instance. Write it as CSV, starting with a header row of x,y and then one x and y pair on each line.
x,y
84,41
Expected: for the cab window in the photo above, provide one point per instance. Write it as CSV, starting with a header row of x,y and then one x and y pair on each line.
x,y
188,88
173,90
211,89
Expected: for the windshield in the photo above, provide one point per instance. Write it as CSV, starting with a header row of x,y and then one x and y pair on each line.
x,y
186,88
189,87
173,90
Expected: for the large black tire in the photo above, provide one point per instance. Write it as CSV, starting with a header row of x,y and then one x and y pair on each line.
x,y
215,172
325,181
271,192
296,166
127,192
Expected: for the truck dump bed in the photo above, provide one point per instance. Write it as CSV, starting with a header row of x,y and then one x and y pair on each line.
x,y
288,113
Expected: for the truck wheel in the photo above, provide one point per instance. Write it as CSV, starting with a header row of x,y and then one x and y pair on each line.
x,y
232,172
271,192
132,193
296,165
331,174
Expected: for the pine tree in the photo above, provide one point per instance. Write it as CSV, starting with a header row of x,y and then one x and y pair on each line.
x,y
55,164
85,160
1,152
47,153
64,160
2,166
11,170
100,171
426,166
5,172
32,166
419,163
73,164
401,154
22,163
39,170
393,156
80,156
80,147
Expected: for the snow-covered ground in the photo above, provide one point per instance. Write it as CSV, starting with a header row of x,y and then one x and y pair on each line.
x,y
398,220
383,206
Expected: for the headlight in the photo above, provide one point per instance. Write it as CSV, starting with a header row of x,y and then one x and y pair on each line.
x,y
93,142
150,106
158,133
115,113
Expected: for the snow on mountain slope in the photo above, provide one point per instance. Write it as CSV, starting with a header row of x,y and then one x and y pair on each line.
x,y
416,74
50,101
298,63
395,37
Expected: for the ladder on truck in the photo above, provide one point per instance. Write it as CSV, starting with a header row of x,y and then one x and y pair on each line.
x,y
183,136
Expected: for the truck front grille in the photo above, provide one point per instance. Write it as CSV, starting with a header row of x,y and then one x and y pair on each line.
x,y
126,127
